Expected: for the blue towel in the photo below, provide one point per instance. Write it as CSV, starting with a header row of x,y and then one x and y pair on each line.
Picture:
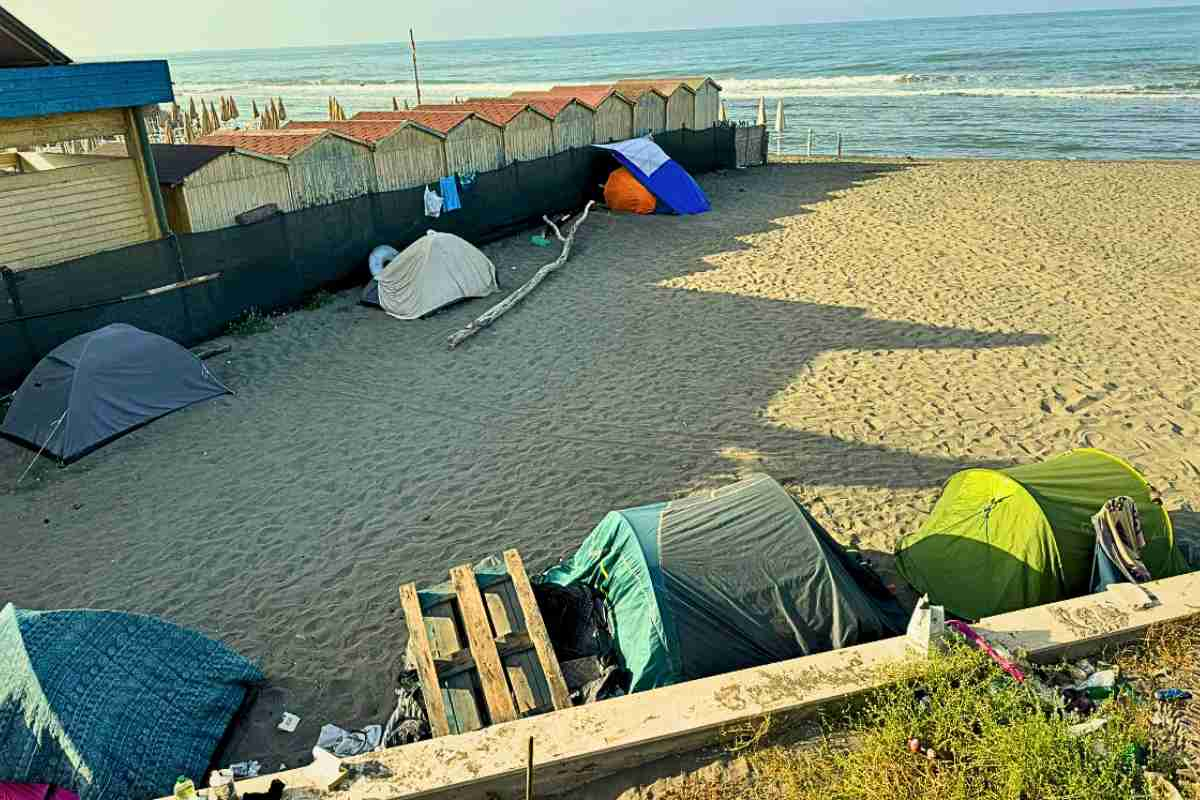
x,y
450,200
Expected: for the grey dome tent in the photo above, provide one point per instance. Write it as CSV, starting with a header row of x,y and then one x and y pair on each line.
x,y
434,271
98,385
725,580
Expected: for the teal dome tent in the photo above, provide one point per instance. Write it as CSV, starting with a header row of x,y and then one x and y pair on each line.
x,y
726,580
112,705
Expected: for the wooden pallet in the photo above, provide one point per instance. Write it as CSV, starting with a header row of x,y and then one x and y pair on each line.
x,y
488,645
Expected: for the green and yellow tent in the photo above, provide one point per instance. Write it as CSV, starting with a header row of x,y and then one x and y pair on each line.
x,y
1000,540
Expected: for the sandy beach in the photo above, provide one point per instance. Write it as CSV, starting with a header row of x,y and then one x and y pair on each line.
x,y
859,330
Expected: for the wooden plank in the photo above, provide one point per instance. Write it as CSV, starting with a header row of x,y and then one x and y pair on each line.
x,y
430,690
47,129
73,202
483,645
521,689
537,630
500,611
129,233
463,660
116,168
50,226
458,690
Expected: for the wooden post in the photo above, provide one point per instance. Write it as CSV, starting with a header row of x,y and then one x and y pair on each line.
x,y
529,772
137,142
416,76
839,147
810,137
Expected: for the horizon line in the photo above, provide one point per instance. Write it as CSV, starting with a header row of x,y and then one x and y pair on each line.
x,y
507,37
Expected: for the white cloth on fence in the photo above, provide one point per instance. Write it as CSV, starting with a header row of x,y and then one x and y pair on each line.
x,y
433,203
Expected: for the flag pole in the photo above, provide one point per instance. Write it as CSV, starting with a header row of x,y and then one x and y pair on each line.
x,y
416,77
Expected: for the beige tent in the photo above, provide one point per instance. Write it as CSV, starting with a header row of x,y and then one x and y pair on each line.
x,y
435,270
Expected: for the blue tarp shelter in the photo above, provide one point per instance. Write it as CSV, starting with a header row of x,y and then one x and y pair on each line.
x,y
112,705
662,176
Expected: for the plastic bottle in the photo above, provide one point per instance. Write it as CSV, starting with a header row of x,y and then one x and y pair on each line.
x,y
184,788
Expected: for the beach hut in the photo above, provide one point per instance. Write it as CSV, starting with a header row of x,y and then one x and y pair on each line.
x,y
206,187
473,143
406,153
708,101
56,207
323,166
650,110
612,112
528,131
681,98
571,121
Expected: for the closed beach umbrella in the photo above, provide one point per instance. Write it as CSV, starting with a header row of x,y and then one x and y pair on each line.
x,y
171,134
762,112
779,117
192,107
723,113
395,104
254,108
282,109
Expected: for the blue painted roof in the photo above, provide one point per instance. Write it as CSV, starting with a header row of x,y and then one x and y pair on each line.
x,y
33,91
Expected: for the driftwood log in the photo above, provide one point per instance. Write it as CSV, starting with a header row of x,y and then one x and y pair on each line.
x,y
495,312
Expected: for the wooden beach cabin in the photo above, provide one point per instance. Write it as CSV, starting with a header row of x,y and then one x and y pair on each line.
x,y
571,121
708,101
650,109
681,99
406,153
206,187
473,143
612,112
56,206
528,131
323,166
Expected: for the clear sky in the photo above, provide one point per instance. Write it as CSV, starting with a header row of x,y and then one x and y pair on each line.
x,y
89,28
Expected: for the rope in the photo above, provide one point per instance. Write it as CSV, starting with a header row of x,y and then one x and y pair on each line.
x,y
43,447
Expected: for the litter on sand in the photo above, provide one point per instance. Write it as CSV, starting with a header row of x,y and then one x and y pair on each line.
x,y
289,722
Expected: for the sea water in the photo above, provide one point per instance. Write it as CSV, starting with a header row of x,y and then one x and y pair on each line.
x,y
1094,84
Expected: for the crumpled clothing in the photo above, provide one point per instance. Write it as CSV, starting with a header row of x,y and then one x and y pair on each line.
x,y
433,203
343,743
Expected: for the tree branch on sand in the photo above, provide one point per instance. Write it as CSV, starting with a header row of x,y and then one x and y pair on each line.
x,y
496,311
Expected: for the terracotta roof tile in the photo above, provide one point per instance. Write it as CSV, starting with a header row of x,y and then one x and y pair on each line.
x,y
498,110
664,86
281,143
368,130
550,105
440,121
591,95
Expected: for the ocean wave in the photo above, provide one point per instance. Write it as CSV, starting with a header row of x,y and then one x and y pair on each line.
x,y
910,85
346,89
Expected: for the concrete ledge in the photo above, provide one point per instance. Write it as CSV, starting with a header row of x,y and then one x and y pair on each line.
x,y
579,745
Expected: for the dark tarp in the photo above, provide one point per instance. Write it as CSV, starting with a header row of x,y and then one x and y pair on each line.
x,y
98,385
725,580
112,705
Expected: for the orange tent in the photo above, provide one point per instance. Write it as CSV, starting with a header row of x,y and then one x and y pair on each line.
x,y
622,192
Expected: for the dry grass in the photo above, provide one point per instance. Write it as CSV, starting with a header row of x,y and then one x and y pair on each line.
x,y
993,739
